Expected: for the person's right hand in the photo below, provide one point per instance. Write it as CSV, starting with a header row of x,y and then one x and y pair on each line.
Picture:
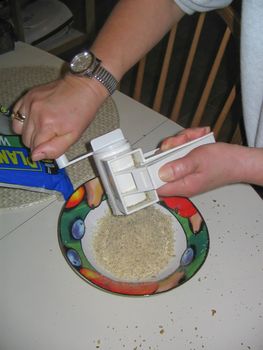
x,y
57,114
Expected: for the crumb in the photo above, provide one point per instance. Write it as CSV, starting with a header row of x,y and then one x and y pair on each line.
x,y
213,312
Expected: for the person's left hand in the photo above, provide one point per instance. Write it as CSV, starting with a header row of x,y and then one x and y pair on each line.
x,y
204,168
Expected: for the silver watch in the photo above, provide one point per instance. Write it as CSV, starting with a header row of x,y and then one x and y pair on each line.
x,y
87,64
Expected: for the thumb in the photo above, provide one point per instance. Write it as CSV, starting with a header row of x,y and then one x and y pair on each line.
x,y
177,169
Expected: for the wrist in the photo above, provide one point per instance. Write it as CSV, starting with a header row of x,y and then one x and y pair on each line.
x,y
244,164
252,166
86,86
112,63
86,64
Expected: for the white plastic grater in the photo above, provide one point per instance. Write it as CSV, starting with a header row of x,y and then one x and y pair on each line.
x,y
130,178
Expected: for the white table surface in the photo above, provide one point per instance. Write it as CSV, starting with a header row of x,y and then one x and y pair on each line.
x,y
45,305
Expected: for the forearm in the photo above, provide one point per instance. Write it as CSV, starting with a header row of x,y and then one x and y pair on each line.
x,y
251,165
132,29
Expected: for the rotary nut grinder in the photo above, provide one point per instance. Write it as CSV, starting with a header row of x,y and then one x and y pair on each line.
x,y
130,177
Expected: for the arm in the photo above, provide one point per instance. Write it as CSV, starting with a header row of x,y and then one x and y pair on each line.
x,y
58,113
210,166
133,28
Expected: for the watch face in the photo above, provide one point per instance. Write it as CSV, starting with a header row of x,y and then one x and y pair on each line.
x,y
82,62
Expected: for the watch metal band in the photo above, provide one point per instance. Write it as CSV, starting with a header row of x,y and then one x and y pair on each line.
x,y
106,78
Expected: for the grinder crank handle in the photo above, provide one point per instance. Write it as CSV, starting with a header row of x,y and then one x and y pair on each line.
x,y
63,161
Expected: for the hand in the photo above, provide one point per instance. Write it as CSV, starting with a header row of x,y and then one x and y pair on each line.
x,y
184,136
57,114
204,168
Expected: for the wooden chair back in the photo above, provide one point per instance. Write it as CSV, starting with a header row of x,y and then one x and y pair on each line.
x,y
229,35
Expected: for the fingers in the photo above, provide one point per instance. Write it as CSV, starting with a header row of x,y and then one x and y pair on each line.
x,y
204,168
182,188
52,148
46,140
25,126
17,125
193,133
45,130
177,169
184,136
56,115
181,177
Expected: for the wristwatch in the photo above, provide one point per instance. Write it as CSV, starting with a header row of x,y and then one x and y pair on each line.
x,y
87,64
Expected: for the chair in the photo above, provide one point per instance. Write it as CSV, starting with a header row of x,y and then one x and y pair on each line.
x,y
198,83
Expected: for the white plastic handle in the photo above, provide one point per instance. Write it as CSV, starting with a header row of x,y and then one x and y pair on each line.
x,y
63,161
